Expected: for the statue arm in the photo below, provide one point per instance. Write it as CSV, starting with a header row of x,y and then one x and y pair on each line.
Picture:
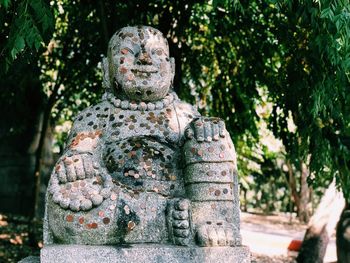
x,y
210,176
79,159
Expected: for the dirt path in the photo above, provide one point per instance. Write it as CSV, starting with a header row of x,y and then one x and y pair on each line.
x,y
271,235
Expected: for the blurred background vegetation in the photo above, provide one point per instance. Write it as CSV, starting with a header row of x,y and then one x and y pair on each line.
x,y
277,71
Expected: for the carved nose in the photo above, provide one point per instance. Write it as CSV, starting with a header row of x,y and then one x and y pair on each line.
x,y
144,59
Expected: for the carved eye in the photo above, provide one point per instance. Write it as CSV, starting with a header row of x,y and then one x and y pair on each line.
x,y
126,50
158,51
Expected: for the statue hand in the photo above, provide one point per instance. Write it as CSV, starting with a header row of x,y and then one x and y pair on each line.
x,y
217,233
206,129
75,167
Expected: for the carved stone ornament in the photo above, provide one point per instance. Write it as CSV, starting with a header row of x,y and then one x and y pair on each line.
x,y
144,177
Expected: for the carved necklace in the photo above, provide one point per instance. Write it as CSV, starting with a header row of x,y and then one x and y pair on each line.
x,y
142,106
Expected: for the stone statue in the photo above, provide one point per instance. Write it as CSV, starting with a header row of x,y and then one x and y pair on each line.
x,y
143,167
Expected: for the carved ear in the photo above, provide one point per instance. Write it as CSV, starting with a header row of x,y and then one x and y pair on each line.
x,y
172,64
105,75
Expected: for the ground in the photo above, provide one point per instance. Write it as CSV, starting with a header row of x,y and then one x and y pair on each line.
x,y
267,236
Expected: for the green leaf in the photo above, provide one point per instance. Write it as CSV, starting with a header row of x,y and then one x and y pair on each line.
x,y
37,45
5,3
14,52
19,43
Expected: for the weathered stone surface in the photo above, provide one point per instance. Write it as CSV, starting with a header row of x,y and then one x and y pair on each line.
x,y
143,254
144,167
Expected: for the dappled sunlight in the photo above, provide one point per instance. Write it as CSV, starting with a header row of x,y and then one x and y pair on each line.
x,y
14,238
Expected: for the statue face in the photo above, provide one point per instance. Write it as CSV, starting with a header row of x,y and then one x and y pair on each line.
x,y
139,62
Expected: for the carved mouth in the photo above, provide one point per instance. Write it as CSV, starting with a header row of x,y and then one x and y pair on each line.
x,y
146,69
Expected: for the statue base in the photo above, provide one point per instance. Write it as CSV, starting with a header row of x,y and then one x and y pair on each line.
x,y
142,254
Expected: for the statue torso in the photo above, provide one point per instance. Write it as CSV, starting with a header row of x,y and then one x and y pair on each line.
x,y
141,150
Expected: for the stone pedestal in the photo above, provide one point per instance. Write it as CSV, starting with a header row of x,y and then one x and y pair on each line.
x,y
143,254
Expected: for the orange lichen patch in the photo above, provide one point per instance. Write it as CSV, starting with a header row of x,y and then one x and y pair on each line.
x,y
81,220
98,133
131,225
113,197
86,141
123,70
84,135
124,51
69,218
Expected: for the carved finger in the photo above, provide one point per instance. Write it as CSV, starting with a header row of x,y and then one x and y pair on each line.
x,y
215,128
79,167
213,236
70,170
61,172
230,241
88,167
57,197
97,199
222,129
199,130
64,203
221,236
106,193
183,224
207,131
53,189
86,204
74,205
181,215
182,204
181,232
203,236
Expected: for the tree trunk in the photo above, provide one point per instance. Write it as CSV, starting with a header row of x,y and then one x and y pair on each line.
x,y
303,212
293,185
33,235
321,226
343,236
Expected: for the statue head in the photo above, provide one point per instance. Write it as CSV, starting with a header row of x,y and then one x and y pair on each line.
x,y
139,64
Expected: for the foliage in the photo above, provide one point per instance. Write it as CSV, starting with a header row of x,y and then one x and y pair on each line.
x,y
26,24
312,85
226,52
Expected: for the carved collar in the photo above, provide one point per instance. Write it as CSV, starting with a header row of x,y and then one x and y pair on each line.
x,y
142,106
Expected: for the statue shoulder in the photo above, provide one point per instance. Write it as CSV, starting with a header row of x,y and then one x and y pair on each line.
x,y
186,110
93,112
91,119
186,113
